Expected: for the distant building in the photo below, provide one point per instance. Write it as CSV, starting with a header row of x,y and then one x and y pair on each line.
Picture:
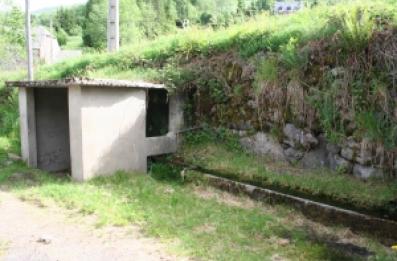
x,y
286,7
45,46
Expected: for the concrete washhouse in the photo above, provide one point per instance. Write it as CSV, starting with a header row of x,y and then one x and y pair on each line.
x,y
96,127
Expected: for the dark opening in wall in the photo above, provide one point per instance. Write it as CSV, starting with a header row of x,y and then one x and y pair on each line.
x,y
157,120
52,129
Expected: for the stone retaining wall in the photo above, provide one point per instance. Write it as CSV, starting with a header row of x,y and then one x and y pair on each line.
x,y
302,147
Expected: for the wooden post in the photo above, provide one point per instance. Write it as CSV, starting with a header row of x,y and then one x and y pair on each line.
x,y
29,40
113,33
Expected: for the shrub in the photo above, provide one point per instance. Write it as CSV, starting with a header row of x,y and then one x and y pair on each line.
x,y
62,37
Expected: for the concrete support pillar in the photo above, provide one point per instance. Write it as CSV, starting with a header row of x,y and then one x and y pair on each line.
x,y
75,130
176,113
113,33
28,126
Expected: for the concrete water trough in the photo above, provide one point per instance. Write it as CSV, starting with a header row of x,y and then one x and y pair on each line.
x,y
96,127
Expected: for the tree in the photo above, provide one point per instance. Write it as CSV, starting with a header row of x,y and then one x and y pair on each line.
x,y
94,28
12,26
241,7
12,36
146,19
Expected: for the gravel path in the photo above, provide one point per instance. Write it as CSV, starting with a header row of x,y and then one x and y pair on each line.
x,y
32,233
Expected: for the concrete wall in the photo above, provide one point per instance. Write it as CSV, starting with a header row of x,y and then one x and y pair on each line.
x,y
112,131
45,45
27,121
52,129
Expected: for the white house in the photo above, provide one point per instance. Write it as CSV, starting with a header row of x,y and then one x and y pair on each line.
x,y
45,46
286,7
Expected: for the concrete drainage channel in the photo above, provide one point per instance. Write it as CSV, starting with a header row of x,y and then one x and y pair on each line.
x,y
385,230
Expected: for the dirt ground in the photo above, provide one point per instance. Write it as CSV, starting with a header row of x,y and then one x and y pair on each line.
x,y
30,232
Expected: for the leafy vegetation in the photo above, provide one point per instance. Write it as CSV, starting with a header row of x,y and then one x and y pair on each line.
x,y
9,125
12,38
259,34
148,19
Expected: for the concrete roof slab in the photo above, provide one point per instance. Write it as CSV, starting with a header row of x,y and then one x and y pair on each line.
x,y
85,82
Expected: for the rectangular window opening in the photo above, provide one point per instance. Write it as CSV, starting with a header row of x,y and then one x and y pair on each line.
x,y
157,117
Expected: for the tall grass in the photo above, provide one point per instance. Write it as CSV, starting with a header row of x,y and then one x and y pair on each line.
x,y
9,124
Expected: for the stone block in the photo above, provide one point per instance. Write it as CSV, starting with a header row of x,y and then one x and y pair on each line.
x,y
296,137
365,173
348,153
263,144
293,155
338,163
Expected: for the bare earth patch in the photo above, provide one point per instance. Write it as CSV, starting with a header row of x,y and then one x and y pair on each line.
x,y
28,232
206,192
340,239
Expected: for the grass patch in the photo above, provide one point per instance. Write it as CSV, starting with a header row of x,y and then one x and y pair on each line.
x,y
73,43
224,156
191,218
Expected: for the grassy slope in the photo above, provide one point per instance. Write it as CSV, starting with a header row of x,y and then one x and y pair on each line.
x,y
261,33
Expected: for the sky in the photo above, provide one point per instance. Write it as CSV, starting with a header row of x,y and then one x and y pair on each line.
x,y
40,4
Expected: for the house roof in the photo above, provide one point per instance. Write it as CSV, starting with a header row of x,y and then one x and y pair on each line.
x,y
85,82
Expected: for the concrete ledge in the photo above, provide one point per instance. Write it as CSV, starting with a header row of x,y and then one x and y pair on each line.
x,y
84,82
385,230
161,145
